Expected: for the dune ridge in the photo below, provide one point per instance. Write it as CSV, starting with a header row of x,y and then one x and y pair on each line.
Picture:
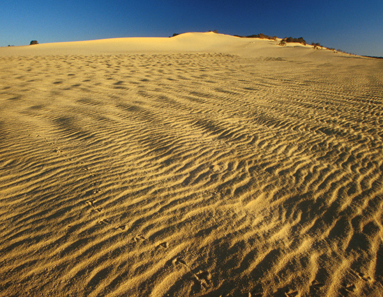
x,y
234,168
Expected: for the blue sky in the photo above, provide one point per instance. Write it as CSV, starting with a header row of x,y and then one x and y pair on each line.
x,y
355,26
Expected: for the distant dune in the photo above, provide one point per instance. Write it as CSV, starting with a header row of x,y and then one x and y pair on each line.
x,y
186,42
199,165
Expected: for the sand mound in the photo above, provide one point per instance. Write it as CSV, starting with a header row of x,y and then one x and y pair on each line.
x,y
188,42
231,168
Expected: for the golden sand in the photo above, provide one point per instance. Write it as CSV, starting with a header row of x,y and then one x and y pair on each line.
x,y
200,165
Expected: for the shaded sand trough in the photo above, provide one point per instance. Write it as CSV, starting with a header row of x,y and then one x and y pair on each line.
x,y
200,165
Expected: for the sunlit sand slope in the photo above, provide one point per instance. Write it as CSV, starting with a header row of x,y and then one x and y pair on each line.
x,y
187,42
191,174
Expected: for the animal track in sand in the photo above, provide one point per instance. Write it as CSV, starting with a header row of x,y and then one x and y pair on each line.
x,y
202,278
364,277
121,227
139,237
178,260
317,285
350,287
104,221
163,245
57,150
256,294
347,289
291,293
92,205
215,168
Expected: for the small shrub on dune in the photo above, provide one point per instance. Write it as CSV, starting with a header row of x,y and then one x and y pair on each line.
x,y
33,42
288,39
263,36
260,35
301,41
297,40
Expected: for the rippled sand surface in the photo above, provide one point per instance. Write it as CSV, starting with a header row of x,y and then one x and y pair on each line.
x,y
191,174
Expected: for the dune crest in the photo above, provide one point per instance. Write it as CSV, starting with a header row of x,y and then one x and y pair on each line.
x,y
199,165
208,42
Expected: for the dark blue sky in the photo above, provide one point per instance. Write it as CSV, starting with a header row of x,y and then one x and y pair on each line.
x,y
354,26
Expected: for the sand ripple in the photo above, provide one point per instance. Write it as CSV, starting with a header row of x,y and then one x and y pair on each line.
x,y
190,175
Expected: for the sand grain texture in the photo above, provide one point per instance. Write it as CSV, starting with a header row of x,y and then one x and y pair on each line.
x,y
216,171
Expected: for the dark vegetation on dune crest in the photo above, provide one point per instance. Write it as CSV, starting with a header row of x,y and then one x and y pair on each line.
x,y
260,35
264,36
291,39
283,42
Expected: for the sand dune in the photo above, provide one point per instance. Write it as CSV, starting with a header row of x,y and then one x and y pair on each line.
x,y
200,165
